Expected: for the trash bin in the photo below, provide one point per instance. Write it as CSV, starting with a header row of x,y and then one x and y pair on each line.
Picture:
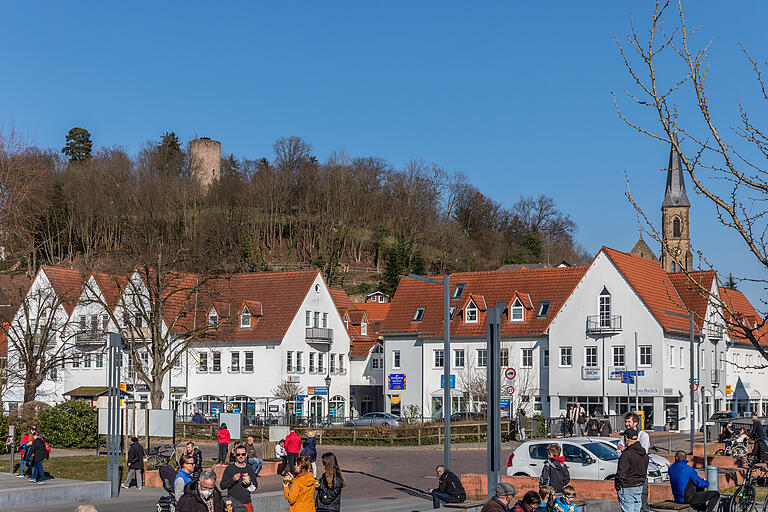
x,y
713,477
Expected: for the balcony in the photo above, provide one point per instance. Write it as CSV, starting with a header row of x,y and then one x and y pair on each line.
x,y
319,335
601,324
90,337
715,332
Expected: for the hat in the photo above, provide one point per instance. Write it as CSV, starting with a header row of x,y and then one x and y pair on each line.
x,y
630,433
505,489
134,439
310,433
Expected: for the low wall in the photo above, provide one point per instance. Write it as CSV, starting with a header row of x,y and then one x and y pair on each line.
x,y
152,478
698,448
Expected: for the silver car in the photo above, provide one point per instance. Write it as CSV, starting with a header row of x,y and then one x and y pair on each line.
x,y
375,418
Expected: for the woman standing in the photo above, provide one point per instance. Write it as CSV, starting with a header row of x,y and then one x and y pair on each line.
x,y
224,438
300,490
310,450
329,487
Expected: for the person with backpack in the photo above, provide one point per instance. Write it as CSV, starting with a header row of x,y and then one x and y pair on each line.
x,y
328,497
309,449
593,426
135,461
224,437
555,472
38,453
24,444
605,427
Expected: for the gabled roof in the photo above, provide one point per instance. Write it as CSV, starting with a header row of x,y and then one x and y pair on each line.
x,y
356,316
67,283
553,284
477,299
254,307
736,302
694,291
111,287
376,311
13,289
355,312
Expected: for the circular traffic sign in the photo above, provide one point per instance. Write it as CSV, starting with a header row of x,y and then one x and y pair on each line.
x,y
510,390
510,373
695,386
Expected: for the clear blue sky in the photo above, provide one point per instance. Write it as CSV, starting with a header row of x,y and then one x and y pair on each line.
x,y
514,94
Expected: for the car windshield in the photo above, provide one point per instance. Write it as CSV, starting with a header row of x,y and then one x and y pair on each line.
x,y
602,451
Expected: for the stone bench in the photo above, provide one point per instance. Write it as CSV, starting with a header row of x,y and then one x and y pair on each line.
x,y
466,505
669,505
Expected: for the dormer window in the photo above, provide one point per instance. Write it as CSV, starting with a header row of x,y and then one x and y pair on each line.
x,y
543,308
516,312
470,313
213,318
419,314
363,327
453,311
458,290
245,318
346,321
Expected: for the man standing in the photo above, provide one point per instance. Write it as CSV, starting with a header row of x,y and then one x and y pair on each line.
x,y
685,482
578,417
201,495
197,457
631,473
254,461
757,434
449,488
505,493
135,461
292,448
632,420
240,479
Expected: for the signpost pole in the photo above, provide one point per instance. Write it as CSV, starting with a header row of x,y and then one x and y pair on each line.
x,y
447,371
693,396
637,383
493,365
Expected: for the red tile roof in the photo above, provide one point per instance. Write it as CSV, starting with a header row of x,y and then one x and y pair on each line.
x,y
3,340
377,311
111,287
355,312
738,305
67,283
694,291
552,284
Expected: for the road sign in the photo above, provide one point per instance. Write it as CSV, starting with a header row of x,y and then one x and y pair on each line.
x,y
442,381
627,379
695,386
695,381
504,403
510,390
510,373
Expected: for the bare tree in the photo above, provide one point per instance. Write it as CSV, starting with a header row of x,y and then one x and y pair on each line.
x,y
725,165
288,392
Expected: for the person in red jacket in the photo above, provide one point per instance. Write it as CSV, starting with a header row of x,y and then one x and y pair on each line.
x,y
26,441
292,447
224,438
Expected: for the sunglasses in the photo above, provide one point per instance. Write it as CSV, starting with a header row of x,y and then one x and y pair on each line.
x,y
571,497
240,455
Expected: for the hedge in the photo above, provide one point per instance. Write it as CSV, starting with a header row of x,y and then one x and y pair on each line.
x,y
70,424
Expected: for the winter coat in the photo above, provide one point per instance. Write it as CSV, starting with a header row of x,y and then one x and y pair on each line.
x,y
450,484
250,450
328,499
563,506
633,467
300,494
197,458
223,436
236,488
191,501
593,427
555,473
680,473
135,457
310,449
22,445
38,451
605,428
494,505
757,432
293,443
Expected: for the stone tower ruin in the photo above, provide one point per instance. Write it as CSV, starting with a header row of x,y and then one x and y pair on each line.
x,y
205,156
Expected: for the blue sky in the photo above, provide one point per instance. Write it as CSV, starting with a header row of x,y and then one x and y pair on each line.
x,y
514,94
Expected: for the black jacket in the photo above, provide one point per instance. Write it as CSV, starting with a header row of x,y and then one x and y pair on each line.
x,y
556,474
593,427
451,485
197,458
135,456
236,489
191,501
328,499
38,451
633,467
757,432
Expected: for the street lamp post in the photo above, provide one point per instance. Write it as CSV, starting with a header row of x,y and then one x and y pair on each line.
x,y
446,282
692,377
328,388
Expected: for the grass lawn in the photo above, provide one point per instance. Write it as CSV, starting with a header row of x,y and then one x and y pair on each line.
x,y
762,492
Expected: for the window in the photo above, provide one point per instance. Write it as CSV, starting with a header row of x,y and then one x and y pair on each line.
x,y
308,319
605,308
670,356
538,451
289,361
676,228
99,360
545,363
458,357
87,360
646,355
395,359
138,321
470,315
248,362
320,363
458,290
574,454
177,362
76,361
543,308
104,321
619,356
316,319
325,320
299,362
418,315
439,358
94,322
333,363
245,318
363,327
202,366
590,356
503,357
126,320
375,363
703,358
82,322
341,364
682,357
216,362
235,362
527,358
312,362
517,311
537,403
482,357
566,356
213,318
452,312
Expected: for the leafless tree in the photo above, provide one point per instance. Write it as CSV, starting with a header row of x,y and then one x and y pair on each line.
x,y
288,392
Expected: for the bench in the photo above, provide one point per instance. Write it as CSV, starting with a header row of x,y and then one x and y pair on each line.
x,y
466,505
669,505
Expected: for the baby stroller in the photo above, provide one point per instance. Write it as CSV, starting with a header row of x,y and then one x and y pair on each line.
x,y
167,475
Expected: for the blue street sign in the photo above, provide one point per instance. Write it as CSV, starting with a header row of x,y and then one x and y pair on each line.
x,y
695,381
504,403
627,379
442,381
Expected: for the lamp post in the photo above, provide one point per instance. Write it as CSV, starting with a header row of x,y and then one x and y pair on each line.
x,y
692,377
446,282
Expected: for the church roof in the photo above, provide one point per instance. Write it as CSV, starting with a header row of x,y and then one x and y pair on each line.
x,y
674,194
641,249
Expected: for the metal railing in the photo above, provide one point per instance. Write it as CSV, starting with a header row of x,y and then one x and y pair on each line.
x,y
715,332
603,323
319,335
90,336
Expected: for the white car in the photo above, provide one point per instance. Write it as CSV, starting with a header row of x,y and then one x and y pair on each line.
x,y
586,459
658,460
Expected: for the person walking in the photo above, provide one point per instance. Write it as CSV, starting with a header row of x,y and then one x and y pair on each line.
x,y
24,444
197,457
328,497
504,495
555,472
520,424
449,488
201,495
605,427
38,453
528,503
632,420
292,448
224,437
572,417
309,448
631,473
581,419
135,461
239,478
687,485
299,491
253,460
183,475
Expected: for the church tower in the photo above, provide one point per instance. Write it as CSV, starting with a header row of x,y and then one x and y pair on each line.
x,y
676,245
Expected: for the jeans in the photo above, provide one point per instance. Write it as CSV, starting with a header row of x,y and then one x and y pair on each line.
x,y
22,466
131,472
437,496
37,471
256,463
223,450
630,498
644,507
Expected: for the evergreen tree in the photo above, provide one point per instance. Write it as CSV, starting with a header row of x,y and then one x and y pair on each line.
x,y
398,262
170,156
79,145
731,283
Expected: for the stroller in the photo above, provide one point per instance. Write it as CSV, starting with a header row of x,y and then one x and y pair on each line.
x,y
167,475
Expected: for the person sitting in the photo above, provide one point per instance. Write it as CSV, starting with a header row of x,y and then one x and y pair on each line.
x,y
687,486
505,493
449,488
547,495
280,453
253,460
529,503
555,472
566,502
726,433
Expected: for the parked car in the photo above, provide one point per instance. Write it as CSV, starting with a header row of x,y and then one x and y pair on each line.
x,y
375,418
586,458
465,416
661,462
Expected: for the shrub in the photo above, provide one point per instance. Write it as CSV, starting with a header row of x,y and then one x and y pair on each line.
x,y
541,425
70,424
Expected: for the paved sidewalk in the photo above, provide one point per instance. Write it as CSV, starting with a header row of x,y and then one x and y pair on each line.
x,y
18,492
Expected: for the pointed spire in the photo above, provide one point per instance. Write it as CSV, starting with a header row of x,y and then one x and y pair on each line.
x,y
675,193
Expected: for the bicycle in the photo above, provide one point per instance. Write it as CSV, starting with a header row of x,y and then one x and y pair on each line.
x,y
160,456
743,500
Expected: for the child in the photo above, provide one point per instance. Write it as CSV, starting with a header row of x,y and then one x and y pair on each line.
x,y
281,454
565,503
555,472
547,493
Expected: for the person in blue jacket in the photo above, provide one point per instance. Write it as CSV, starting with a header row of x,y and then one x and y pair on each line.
x,y
310,450
687,486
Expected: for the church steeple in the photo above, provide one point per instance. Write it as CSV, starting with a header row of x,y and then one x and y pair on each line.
x,y
675,215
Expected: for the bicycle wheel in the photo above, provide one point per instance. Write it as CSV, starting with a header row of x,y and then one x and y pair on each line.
x,y
743,500
765,504
720,452
154,462
739,451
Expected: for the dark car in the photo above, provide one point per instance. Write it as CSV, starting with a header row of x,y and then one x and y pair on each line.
x,y
375,418
467,416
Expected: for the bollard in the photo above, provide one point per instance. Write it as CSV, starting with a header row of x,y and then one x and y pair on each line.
x,y
713,477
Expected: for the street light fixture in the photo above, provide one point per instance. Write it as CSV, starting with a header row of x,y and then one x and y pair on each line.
x,y
328,383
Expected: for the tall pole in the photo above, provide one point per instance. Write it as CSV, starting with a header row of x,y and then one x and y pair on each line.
x,y
447,370
637,383
693,393
493,363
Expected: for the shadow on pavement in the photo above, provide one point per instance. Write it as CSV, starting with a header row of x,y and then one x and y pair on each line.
x,y
404,488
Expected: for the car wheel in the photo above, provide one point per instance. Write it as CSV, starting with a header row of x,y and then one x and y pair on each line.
x,y
610,477
520,473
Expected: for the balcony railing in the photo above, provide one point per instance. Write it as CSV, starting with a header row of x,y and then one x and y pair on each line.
x,y
715,332
603,323
90,337
319,335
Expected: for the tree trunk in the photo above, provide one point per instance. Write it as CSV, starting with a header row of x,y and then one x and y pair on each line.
x,y
156,393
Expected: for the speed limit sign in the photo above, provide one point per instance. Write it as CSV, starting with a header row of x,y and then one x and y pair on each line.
x,y
510,373
510,390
